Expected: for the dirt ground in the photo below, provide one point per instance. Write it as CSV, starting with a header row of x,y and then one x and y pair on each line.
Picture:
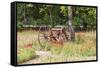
x,y
43,54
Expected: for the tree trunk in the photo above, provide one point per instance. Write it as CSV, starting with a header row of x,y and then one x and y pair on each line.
x,y
70,27
50,14
24,14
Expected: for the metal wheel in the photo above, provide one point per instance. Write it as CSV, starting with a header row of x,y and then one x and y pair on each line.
x,y
43,37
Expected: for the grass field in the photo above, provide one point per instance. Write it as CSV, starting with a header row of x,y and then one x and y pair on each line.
x,y
83,48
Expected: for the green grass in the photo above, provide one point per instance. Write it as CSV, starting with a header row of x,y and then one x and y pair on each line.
x,y
83,46
25,54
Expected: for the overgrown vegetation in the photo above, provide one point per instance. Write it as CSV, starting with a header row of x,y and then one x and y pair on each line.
x,y
25,54
83,46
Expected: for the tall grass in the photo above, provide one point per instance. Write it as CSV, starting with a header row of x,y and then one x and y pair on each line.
x,y
83,46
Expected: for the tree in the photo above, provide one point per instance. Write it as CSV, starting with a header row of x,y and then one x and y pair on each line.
x,y
73,16
70,27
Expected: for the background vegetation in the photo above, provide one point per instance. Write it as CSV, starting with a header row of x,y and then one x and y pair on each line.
x,y
37,14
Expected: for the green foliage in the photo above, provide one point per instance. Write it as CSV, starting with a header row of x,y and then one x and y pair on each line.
x,y
77,21
84,16
19,26
38,14
64,10
25,54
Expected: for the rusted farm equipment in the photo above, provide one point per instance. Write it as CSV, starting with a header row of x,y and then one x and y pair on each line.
x,y
56,34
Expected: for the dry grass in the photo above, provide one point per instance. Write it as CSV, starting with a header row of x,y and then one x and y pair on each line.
x,y
83,46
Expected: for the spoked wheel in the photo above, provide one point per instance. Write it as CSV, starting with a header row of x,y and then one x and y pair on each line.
x,y
43,37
